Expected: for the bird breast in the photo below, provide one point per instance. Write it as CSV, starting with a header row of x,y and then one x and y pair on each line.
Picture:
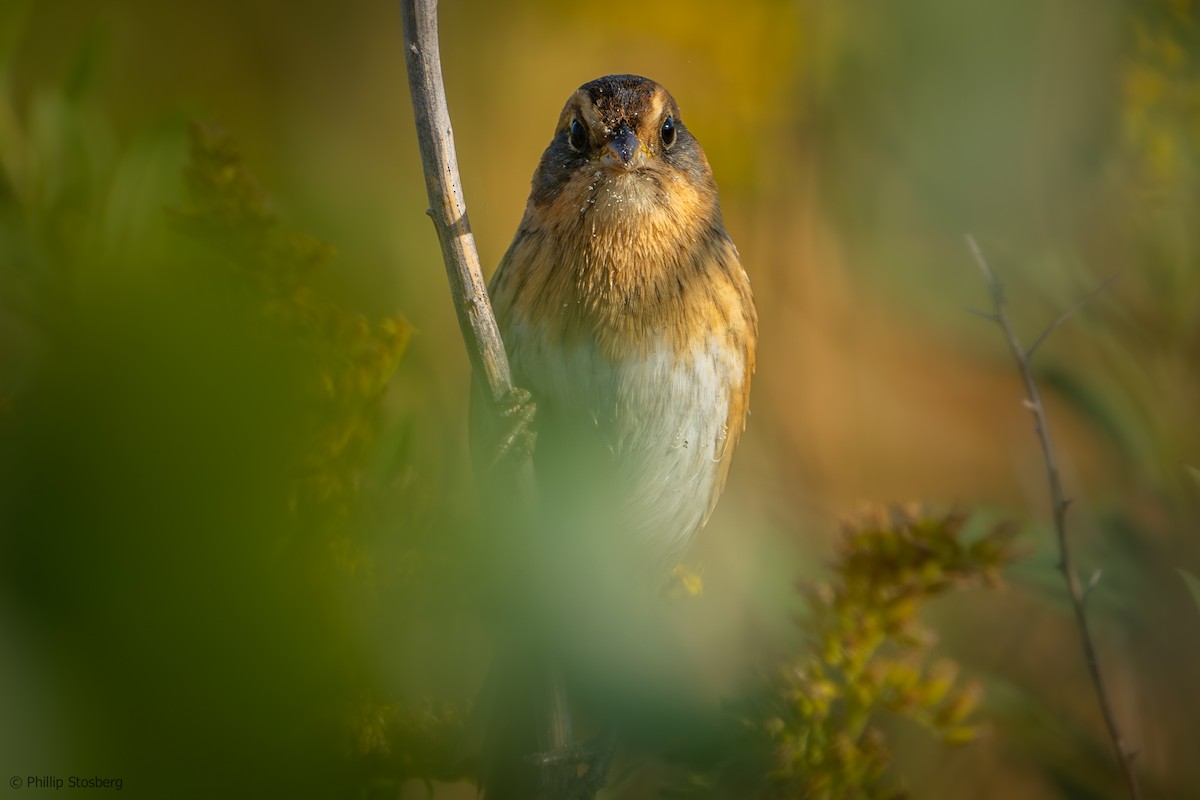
x,y
626,313
661,420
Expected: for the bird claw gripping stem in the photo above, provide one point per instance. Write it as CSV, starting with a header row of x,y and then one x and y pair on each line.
x,y
516,444
576,771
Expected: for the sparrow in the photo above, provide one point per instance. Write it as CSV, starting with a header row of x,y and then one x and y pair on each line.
x,y
628,318
627,315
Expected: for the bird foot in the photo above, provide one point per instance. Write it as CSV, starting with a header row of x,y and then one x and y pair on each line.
x,y
576,771
517,411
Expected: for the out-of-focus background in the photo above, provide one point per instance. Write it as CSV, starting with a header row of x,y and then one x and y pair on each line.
x,y
173,614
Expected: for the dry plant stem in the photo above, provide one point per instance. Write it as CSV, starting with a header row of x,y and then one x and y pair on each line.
x,y
446,204
448,210
1060,502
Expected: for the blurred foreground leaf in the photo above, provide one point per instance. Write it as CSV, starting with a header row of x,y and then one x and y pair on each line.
x,y
351,359
187,422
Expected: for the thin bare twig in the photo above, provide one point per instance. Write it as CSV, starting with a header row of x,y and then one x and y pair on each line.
x,y
448,209
1070,312
1059,501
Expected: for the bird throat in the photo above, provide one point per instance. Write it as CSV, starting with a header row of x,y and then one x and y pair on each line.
x,y
623,260
637,236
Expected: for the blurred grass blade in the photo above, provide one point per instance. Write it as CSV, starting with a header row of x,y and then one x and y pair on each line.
x,y
1193,585
1194,472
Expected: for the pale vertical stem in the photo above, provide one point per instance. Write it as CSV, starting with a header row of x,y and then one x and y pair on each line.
x,y
476,320
447,207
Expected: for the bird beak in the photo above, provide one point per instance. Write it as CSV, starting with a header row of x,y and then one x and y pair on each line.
x,y
623,150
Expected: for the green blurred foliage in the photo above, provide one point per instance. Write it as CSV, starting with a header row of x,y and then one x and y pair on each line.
x,y
198,467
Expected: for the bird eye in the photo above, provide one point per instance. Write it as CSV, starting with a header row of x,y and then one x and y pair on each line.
x,y
668,132
577,136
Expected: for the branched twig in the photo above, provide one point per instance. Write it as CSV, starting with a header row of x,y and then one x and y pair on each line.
x,y
1060,502
1063,317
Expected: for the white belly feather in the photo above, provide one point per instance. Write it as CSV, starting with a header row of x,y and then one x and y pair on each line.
x,y
663,421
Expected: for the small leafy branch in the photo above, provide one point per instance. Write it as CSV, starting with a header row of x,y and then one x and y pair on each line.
x,y
814,730
872,652
1059,501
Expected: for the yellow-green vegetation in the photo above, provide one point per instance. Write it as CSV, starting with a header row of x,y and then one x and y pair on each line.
x,y
871,651
196,460
353,359
422,741
818,728
351,363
